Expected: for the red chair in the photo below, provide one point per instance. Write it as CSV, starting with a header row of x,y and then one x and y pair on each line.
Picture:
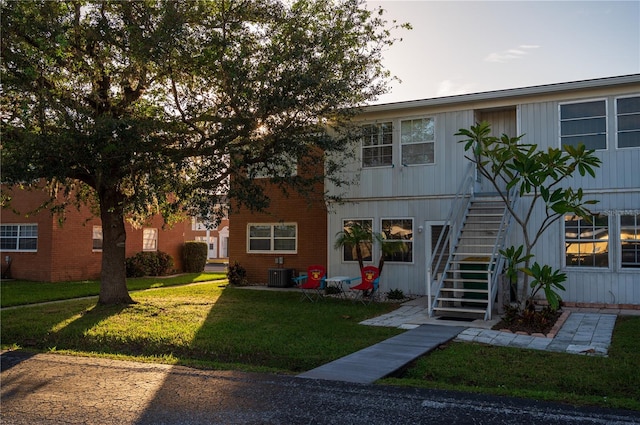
x,y
313,283
368,287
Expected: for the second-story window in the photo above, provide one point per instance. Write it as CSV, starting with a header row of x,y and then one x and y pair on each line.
x,y
628,122
377,145
584,122
417,137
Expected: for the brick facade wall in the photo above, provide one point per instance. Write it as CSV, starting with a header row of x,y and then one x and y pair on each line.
x,y
65,252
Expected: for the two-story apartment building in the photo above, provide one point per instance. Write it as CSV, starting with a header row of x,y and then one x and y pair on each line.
x,y
410,166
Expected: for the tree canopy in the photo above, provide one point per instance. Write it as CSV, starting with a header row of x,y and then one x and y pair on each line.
x,y
153,106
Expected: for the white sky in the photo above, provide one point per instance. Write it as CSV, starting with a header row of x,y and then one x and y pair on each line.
x,y
459,47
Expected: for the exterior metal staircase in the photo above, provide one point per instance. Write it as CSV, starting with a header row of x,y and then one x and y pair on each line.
x,y
466,259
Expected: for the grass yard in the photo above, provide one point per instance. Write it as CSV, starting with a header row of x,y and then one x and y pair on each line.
x,y
21,292
211,326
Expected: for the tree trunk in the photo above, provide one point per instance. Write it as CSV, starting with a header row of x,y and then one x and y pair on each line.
x,y
113,280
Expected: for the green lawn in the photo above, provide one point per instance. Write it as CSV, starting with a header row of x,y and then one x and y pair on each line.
x,y
20,292
208,325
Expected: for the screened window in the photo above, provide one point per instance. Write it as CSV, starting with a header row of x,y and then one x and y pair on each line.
x,y
97,238
586,243
630,240
349,252
377,145
628,122
272,237
149,239
19,237
585,123
417,137
397,243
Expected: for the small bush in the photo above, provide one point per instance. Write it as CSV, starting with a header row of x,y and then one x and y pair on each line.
x,y
156,263
195,256
395,294
237,275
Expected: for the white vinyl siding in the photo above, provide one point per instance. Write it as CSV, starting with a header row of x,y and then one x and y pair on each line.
x,y
628,122
417,138
377,145
272,238
19,237
584,122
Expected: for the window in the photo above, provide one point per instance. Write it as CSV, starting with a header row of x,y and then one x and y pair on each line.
x,y
630,240
628,122
586,243
377,145
19,237
584,123
149,239
97,238
397,243
272,238
349,250
417,140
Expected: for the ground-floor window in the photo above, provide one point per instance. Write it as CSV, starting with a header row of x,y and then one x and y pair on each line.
x,y
19,237
272,238
586,241
630,240
397,242
149,239
366,247
97,238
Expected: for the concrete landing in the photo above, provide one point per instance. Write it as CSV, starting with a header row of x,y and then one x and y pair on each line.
x,y
372,363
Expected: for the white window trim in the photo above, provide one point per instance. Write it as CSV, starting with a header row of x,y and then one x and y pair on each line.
x,y
392,144
18,237
154,239
575,102
612,246
615,114
412,241
618,242
372,245
93,237
435,137
272,251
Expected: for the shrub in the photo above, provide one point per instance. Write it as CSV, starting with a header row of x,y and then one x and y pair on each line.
x,y
237,275
156,263
395,294
195,256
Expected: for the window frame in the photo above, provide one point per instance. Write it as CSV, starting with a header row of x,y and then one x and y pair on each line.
x,y
96,235
617,123
610,241
635,241
584,101
380,135
404,144
409,242
272,238
365,259
21,236
145,239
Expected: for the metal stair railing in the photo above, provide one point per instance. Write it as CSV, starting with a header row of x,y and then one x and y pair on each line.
x,y
496,263
457,213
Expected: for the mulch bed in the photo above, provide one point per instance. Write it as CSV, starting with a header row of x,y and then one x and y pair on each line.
x,y
530,322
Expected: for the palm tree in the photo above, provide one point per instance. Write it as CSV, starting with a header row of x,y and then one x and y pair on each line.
x,y
354,235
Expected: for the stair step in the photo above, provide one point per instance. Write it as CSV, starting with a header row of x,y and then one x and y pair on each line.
x,y
464,300
461,310
476,291
474,254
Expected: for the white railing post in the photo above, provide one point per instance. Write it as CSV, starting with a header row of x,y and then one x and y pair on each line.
x,y
489,295
429,290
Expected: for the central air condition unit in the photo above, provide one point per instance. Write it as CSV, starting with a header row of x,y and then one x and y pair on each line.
x,y
279,278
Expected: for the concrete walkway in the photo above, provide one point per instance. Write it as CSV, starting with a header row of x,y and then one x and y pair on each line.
x,y
370,364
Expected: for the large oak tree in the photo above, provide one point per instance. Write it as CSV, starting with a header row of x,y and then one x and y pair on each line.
x,y
153,106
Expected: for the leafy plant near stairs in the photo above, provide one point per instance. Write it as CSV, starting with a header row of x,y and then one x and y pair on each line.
x,y
539,175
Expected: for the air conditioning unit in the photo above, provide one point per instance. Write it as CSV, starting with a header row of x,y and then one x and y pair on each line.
x,y
279,278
